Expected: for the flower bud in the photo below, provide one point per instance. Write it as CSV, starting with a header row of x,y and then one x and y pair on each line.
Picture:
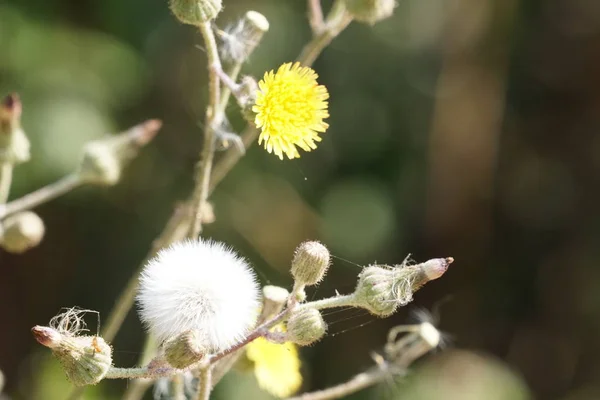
x,y
370,11
246,97
184,350
310,263
274,298
85,359
382,289
306,327
14,145
104,159
195,12
240,40
22,231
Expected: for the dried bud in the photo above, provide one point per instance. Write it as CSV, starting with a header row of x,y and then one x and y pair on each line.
x,y
370,11
274,298
14,145
382,289
246,97
103,160
418,341
85,359
306,327
240,39
195,12
310,263
184,350
22,231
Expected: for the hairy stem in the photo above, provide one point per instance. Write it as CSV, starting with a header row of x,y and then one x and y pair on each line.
x,y
233,73
137,388
178,387
202,189
331,302
41,195
204,383
6,172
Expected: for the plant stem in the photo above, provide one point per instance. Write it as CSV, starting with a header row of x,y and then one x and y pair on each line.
x,y
41,195
315,16
140,373
137,388
332,302
204,383
6,171
233,73
337,20
202,188
358,382
178,387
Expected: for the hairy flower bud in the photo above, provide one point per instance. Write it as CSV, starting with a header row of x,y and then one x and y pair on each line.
x,y
370,11
382,289
185,349
14,145
103,160
310,263
306,327
21,232
195,12
85,359
246,96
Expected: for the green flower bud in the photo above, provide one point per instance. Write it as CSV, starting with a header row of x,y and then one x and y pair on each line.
x,y
382,289
103,160
21,232
14,145
370,11
306,327
310,263
85,359
184,350
195,12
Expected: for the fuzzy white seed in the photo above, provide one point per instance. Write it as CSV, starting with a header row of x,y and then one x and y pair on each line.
x,y
199,285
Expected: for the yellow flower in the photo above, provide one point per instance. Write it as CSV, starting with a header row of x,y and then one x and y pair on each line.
x,y
290,107
276,366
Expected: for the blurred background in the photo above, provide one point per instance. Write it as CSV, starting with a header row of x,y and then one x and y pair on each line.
x,y
464,128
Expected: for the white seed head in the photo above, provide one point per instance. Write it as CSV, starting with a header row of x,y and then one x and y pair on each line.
x,y
199,285
310,263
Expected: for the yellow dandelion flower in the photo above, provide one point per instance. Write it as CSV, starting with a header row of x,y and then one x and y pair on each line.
x,y
290,107
276,366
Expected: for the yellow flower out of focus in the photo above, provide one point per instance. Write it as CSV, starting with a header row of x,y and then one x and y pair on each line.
x,y
290,107
276,366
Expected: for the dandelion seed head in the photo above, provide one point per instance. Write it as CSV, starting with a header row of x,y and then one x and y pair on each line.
x,y
199,285
290,108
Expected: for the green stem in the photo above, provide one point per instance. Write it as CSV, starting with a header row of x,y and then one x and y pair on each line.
x,y
358,382
137,388
202,188
204,383
332,302
41,195
6,172
233,72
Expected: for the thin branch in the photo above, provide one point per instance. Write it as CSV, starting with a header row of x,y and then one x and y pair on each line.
x,y
202,188
204,383
41,195
6,172
315,16
358,382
